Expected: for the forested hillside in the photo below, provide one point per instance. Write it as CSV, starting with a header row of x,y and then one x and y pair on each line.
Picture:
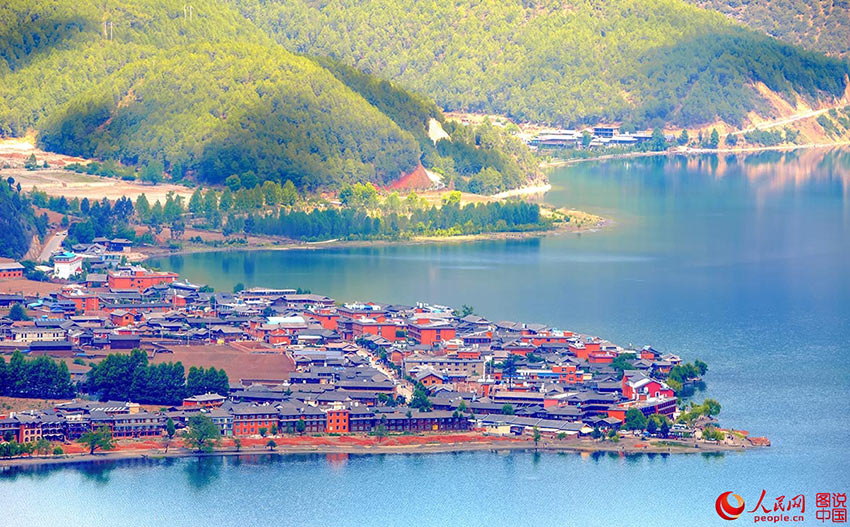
x,y
200,91
560,61
821,25
225,109
18,223
321,94
410,111
52,51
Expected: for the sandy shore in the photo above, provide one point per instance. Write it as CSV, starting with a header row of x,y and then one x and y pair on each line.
x,y
567,446
524,191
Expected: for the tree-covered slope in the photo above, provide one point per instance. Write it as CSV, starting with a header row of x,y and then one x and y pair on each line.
x,y
222,109
820,25
560,61
203,92
407,109
52,51
18,223
481,159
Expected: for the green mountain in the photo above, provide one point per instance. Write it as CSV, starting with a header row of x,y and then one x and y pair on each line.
x,y
227,109
198,88
558,61
820,25
219,87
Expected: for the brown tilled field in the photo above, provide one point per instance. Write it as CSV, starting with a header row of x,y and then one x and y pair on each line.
x,y
27,287
19,404
238,364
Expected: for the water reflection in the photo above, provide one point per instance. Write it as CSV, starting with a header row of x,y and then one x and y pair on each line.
x,y
203,471
338,460
94,471
97,473
767,173
32,472
713,456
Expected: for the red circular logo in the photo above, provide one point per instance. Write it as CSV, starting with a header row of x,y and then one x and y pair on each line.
x,y
726,510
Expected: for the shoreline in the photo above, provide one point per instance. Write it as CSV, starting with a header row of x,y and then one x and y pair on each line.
x,y
581,447
530,190
353,244
693,152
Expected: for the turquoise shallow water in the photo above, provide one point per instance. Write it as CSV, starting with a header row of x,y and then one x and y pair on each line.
x,y
741,262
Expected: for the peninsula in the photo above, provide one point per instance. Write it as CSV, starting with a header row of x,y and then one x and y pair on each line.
x,y
289,370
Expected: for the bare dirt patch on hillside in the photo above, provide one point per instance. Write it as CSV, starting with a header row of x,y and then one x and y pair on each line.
x,y
60,182
56,181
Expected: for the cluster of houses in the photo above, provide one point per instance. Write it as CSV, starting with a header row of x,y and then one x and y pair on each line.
x,y
89,314
356,365
253,413
600,136
100,255
96,257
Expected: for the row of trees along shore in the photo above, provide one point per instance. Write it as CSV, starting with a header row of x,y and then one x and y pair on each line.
x,y
279,210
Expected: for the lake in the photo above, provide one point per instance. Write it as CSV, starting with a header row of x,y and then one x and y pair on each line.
x,y
740,261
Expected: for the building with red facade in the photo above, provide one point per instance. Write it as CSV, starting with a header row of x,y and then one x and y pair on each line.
x,y
431,333
11,270
338,421
85,302
389,330
138,278
638,387
248,420
568,374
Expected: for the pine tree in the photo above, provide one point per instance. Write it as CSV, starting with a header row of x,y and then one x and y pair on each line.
x,y
714,141
196,202
143,208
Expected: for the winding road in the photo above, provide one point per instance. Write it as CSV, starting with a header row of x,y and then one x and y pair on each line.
x,y
785,120
52,245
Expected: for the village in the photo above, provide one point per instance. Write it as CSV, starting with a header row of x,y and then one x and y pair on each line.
x,y
597,136
302,365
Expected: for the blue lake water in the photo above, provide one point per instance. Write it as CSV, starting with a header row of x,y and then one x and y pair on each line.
x,y
739,261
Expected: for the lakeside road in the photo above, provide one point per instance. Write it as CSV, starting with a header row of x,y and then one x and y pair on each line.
x,y
687,151
482,444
